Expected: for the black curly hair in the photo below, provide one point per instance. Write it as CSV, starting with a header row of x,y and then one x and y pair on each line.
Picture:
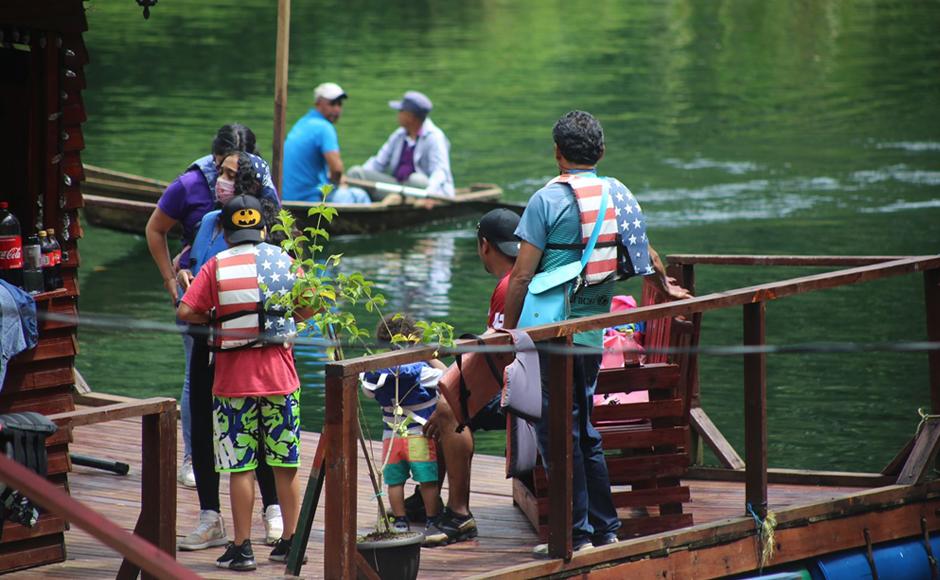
x,y
392,325
234,137
580,137
246,180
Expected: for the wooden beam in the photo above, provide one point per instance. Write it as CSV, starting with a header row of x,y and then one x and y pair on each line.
x,y
795,477
115,412
895,465
755,410
923,453
744,260
341,430
282,53
715,440
560,450
308,509
54,500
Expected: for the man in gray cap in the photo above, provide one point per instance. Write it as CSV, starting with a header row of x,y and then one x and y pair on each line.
x,y
416,154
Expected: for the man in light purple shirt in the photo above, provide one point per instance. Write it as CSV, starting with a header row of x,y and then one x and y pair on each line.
x,y
417,154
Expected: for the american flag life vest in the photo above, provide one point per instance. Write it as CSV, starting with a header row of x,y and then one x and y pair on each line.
x,y
247,276
622,248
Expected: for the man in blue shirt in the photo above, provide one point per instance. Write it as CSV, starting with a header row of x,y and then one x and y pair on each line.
x,y
311,151
552,235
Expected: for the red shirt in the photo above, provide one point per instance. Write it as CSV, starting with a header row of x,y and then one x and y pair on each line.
x,y
249,372
498,303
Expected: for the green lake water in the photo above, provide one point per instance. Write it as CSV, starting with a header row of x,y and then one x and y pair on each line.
x,y
749,127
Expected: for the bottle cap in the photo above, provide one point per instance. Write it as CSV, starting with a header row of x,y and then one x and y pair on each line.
x,y
42,233
4,205
50,231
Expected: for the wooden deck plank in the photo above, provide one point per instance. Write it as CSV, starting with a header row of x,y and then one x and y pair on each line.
x,y
505,539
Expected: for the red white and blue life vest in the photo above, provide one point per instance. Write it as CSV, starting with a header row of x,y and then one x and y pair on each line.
x,y
622,248
588,189
247,276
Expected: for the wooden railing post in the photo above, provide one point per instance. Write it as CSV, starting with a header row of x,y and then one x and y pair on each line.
x,y
341,427
755,410
560,450
932,305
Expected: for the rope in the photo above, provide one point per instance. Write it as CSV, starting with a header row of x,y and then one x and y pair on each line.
x,y
924,417
765,535
127,324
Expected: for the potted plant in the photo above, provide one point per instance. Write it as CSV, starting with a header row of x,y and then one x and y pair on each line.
x,y
331,294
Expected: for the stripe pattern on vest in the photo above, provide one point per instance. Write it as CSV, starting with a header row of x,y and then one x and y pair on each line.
x,y
588,190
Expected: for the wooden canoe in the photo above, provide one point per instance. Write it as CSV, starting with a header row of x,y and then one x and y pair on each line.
x,y
124,202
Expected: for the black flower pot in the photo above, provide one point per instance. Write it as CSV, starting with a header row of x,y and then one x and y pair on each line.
x,y
393,556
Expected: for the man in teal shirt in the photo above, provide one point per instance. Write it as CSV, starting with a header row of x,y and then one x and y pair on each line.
x,y
552,236
311,151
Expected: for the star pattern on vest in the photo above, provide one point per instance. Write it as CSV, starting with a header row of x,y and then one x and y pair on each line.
x,y
632,225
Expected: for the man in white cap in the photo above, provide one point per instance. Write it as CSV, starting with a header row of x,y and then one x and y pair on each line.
x,y
311,151
416,154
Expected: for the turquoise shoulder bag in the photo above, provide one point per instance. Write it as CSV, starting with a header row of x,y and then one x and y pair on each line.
x,y
547,299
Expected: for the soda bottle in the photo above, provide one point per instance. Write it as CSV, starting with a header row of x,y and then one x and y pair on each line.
x,y
11,247
57,257
47,257
32,265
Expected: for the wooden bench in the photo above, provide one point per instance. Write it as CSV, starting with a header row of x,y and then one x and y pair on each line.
x,y
647,444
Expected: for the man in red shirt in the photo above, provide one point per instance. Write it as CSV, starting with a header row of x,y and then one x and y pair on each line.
x,y
497,246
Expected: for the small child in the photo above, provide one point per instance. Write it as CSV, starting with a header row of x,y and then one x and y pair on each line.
x,y
408,396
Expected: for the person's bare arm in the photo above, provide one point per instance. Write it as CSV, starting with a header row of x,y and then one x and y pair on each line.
x,y
186,313
158,226
526,264
666,285
335,164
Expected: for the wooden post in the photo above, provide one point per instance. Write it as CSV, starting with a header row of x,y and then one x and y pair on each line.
x,y
308,510
755,410
560,451
932,304
280,91
341,429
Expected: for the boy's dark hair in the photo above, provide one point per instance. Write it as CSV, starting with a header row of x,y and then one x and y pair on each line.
x,y
392,325
580,137
246,180
232,138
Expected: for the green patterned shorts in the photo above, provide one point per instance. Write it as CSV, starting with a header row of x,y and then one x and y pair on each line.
x,y
238,430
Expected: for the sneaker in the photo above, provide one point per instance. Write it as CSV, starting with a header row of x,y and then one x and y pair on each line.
x,y
239,558
281,550
209,533
273,524
400,524
541,551
449,528
604,539
186,475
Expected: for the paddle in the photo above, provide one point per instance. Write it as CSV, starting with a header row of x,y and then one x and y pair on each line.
x,y
404,190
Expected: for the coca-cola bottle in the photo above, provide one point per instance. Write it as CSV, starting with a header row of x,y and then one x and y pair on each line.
x,y
32,265
57,257
11,247
48,277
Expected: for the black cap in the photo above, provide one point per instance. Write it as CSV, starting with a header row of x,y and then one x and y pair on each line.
x,y
498,227
243,220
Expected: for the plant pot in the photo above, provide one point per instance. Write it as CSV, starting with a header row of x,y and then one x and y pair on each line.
x,y
393,556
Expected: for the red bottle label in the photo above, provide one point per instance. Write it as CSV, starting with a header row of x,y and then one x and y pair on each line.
x,y
57,256
11,252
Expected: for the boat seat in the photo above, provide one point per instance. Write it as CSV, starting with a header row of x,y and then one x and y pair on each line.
x,y
647,443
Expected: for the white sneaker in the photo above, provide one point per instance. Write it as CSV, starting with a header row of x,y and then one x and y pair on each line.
x,y
186,475
209,533
541,551
273,524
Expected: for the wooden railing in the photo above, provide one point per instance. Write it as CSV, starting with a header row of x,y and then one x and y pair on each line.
x,y
341,422
152,548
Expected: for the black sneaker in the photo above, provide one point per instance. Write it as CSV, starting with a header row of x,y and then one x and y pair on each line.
x,y
240,558
414,507
449,528
400,524
281,550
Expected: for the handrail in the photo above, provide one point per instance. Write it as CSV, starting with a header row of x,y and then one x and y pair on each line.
x,y
157,520
765,260
341,422
714,301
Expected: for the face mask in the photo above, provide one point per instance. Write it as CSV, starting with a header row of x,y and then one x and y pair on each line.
x,y
224,190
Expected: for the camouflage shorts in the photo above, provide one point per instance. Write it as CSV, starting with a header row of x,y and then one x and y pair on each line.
x,y
239,423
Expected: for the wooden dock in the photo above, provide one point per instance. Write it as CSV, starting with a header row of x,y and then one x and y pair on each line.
x,y
506,537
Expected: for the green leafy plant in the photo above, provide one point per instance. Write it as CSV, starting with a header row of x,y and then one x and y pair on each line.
x,y
331,295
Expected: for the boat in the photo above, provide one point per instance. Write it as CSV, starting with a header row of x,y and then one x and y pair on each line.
x,y
124,202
